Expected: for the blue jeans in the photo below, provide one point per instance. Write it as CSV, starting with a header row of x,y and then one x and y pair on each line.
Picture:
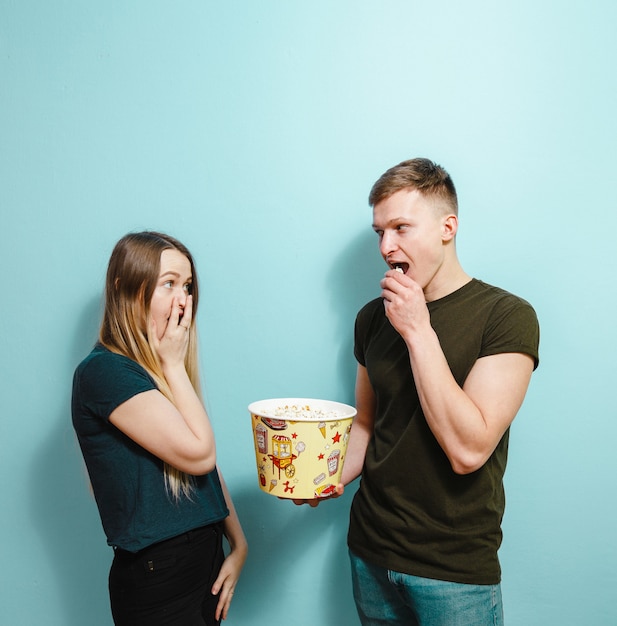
x,y
386,597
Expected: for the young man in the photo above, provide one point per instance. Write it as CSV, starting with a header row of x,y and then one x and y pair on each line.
x,y
444,362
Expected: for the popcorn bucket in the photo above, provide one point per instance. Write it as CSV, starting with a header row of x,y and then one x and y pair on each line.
x,y
300,445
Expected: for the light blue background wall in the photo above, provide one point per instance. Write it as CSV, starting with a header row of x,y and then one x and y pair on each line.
x,y
253,131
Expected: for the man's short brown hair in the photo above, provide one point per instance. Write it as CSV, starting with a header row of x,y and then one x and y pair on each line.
x,y
430,179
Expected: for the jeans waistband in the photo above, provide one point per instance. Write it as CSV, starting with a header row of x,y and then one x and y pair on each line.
x,y
190,535
187,537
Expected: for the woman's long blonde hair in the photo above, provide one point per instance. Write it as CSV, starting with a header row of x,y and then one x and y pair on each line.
x,y
132,274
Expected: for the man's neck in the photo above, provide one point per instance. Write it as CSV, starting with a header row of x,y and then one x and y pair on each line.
x,y
446,283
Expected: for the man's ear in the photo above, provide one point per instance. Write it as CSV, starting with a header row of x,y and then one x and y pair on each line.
x,y
449,227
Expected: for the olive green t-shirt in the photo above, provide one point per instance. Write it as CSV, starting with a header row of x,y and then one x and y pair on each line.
x,y
412,513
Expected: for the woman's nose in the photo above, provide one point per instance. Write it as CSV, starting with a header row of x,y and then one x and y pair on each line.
x,y
181,295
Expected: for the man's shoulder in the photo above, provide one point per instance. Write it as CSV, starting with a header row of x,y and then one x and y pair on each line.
x,y
371,311
501,297
482,306
479,290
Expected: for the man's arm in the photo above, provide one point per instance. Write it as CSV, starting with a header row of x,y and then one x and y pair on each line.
x,y
362,428
467,422
360,435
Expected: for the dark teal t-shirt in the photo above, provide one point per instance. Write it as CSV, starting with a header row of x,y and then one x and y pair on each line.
x,y
412,513
128,481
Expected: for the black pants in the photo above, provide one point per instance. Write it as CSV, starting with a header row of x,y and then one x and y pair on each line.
x,y
168,583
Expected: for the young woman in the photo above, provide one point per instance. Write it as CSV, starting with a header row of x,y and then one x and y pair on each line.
x,y
149,447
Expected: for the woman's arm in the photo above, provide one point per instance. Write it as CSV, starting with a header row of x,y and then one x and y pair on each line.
x,y
230,571
179,433
183,440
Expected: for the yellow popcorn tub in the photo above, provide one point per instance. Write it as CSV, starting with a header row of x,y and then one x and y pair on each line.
x,y
300,445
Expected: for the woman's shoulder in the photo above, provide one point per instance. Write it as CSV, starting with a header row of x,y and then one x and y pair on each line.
x,y
105,379
102,357
103,363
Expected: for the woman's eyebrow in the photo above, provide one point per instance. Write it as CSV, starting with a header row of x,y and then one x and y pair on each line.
x,y
175,274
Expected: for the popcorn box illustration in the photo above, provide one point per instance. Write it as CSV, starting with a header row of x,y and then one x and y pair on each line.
x,y
261,438
300,445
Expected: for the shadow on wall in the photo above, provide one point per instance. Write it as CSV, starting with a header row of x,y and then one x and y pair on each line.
x,y
63,509
275,585
65,514
354,280
297,570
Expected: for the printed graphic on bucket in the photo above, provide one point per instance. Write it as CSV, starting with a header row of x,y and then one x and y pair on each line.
x,y
300,445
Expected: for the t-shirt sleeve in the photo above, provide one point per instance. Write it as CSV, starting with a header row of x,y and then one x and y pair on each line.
x,y
361,329
513,327
358,348
110,379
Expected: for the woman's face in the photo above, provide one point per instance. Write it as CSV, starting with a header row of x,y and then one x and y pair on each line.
x,y
173,284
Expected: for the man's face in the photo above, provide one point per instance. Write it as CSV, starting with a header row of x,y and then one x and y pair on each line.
x,y
411,232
